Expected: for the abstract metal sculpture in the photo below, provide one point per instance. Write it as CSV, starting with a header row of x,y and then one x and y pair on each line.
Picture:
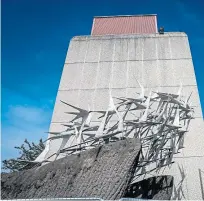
x,y
160,120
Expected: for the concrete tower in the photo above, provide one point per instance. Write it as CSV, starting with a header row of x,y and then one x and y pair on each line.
x,y
119,51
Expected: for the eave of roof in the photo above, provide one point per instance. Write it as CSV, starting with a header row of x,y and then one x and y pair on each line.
x,y
125,16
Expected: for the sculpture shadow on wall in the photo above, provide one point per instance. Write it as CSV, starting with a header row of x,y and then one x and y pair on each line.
x,y
158,188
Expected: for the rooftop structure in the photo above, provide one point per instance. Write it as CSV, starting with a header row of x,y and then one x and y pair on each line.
x,y
124,24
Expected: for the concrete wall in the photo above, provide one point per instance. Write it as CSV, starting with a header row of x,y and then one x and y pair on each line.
x,y
158,62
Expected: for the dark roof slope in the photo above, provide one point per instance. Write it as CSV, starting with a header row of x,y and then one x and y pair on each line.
x,y
103,172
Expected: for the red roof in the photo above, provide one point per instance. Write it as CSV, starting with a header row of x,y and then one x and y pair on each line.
x,y
142,24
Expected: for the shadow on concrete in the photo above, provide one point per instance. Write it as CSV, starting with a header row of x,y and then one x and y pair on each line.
x,y
158,188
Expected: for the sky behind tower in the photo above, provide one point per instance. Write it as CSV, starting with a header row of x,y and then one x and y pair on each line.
x,y
35,39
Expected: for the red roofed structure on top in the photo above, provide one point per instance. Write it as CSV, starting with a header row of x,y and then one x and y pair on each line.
x,y
129,24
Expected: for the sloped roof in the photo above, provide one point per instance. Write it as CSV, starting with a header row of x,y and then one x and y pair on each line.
x,y
103,172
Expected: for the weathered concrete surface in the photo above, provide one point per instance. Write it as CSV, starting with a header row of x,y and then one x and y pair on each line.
x,y
103,172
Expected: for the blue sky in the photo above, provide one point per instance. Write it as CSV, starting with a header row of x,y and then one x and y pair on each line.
x,y
35,38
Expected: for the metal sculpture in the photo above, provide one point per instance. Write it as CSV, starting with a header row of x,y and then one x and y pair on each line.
x,y
160,120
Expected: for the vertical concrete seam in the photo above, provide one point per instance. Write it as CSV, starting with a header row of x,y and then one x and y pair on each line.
x,y
112,65
142,45
172,69
97,73
157,65
127,69
79,92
